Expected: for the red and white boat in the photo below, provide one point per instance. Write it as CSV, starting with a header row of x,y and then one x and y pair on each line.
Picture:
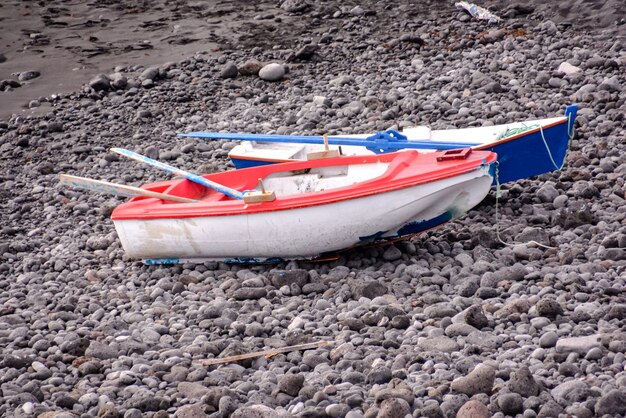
x,y
317,207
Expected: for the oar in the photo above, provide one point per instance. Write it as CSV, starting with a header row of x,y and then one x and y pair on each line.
x,y
387,140
235,194
115,188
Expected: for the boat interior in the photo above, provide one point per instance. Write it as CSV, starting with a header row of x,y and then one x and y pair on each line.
x,y
319,179
282,183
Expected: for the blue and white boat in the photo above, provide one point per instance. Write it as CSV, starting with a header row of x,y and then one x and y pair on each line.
x,y
524,149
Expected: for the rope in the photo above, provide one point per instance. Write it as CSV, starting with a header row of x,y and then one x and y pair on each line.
x,y
556,166
524,128
570,134
514,131
510,132
498,222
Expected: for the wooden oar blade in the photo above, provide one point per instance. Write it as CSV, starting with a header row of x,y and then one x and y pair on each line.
x,y
115,188
235,194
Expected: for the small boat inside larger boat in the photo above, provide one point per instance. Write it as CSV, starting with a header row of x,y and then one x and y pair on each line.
x,y
321,206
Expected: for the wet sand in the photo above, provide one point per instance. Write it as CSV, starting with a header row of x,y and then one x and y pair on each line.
x,y
69,42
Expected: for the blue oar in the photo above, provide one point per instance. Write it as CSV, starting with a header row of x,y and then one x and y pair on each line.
x,y
386,141
235,194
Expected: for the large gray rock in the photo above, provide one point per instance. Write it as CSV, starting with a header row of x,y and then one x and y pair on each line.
x,y
441,344
246,293
549,308
28,75
571,391
118,81
101,351
280,278
473,409
480,380
150,73
190,411
291,384
613,403
229,70
547,193
511,403
192,390
259,411
250,67
394,408
294,6
401,392
100,82
272,72
580,345
368,289
522,381
550,409
610,84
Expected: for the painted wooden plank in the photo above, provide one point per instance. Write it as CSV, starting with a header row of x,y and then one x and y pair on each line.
x,y
333,140
235,194
116,188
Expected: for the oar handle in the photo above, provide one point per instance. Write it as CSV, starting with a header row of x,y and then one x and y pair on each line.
x,y
235,194
115,188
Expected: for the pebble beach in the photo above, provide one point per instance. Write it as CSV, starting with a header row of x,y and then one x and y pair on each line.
x,y
472,319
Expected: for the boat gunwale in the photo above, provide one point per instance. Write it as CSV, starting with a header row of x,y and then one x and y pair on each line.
x,y
521,134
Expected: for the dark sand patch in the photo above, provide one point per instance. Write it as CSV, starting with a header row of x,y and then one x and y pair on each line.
x,y
69,42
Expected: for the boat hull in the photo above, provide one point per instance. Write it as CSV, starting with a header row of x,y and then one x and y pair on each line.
x,y
307,232
527,154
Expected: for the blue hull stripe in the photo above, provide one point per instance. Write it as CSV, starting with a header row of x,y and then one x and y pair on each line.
x,y
527,156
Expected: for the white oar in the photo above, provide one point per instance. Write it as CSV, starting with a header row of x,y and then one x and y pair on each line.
x,y
115,188
235,194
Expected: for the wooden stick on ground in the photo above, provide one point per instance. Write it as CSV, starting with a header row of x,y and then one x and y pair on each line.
x,y
267,353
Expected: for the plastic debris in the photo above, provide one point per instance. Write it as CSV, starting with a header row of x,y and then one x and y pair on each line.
x,y
478,12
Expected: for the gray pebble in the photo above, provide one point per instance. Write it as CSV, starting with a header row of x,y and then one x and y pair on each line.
x,y
510,403
548,340
100,83
229,70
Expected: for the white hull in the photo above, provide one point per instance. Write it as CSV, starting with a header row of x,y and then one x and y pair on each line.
x,y
303,232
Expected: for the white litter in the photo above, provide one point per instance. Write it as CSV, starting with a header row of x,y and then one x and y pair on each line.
x,y
478,12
